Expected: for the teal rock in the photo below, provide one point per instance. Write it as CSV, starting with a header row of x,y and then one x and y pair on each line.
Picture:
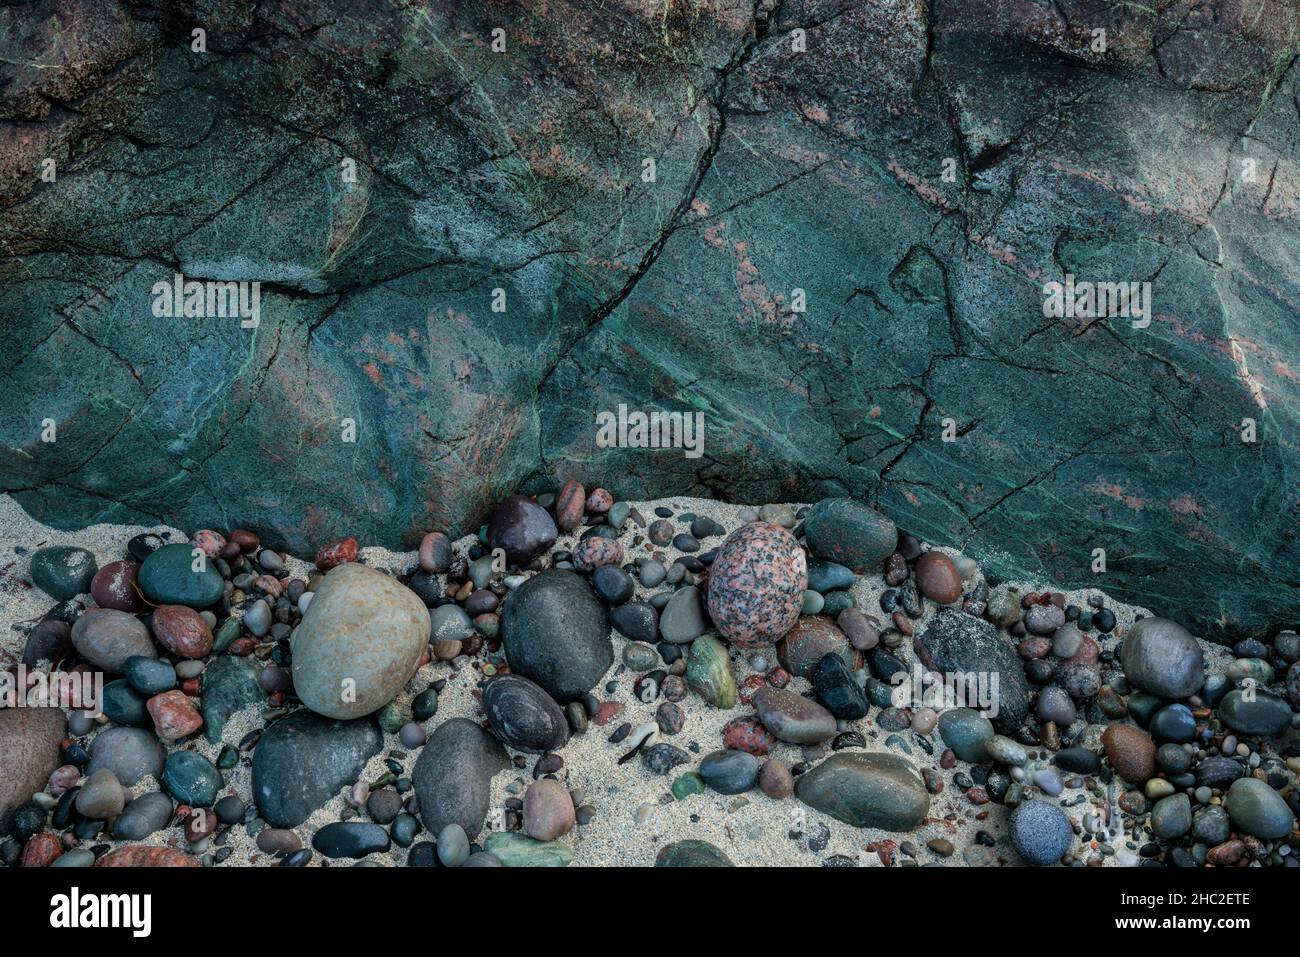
x,y
691,854
847,532
168,577
639,656
63,571
359,642
1161,656
123,705
224,635
149,676
393,715
1261,714
191,779
229,684
1171,817
882,791
708,672
513,849
967,732
1258,810
684,785
305,759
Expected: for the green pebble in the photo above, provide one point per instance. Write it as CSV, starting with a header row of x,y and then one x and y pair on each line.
x,y
687,784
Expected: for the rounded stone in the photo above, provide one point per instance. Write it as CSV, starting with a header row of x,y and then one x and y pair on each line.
x,y
1256,809
149,676
1171,817
114,586
130,753
691,854
191,778
548,810
143,855
812,638
838,689
1131,752
556,632
30,743
775,779
63,571
967,732
730,772
522,528
146,815
683,619
303,760
1162,657
1257,714
169,577
453,846
106,638
1056,705
793,718
524,716
453,776
359,642
937,578
1040,832
181,631
866,790
435,553
846,531
756,584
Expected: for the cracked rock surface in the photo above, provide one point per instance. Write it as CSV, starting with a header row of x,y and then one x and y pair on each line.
x,y
1169,157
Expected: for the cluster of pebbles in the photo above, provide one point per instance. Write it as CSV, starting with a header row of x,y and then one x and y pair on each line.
x,y
683,683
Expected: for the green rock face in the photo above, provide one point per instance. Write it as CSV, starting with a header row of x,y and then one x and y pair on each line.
x,y
828,309
519,850
168,577
866,790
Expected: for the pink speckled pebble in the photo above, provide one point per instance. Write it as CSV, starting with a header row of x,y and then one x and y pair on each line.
x,y
756,584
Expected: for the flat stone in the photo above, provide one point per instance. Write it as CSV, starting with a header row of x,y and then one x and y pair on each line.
x,y
730,772
1171,817
1263,714
838,690
513,849
967,732
354,839
709,674
146,815
881,791
810,640
229,684
792,717
304,759
453,776
683,619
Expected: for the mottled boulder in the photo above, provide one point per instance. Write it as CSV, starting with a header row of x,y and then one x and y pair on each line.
x,y
920,297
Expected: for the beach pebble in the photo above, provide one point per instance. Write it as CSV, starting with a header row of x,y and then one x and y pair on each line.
x,y
354,839
1130,751
434,553
1256,809
872,790
63,571
181,631
1162,657
556,633
837,689
1040,832
848,532
453,776
523,715
522,528
114,586
683,619
144,816
775,779
793,718
130,753
106,638
548,810
303,760
730,772
756,584
173,575
937,578
359,642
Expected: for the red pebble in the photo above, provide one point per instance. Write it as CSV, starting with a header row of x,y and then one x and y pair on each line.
x,y
42,851
748,734
607,712
778,677
747,688
599,501
174,715
335,553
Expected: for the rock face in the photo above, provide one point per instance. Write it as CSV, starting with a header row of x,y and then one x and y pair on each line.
x,y
556,633
1162,657
29,753
304,760
957,643
359,642
931,307
453,776
866,790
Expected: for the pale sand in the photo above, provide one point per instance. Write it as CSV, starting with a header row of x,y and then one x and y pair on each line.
x,y
751,829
